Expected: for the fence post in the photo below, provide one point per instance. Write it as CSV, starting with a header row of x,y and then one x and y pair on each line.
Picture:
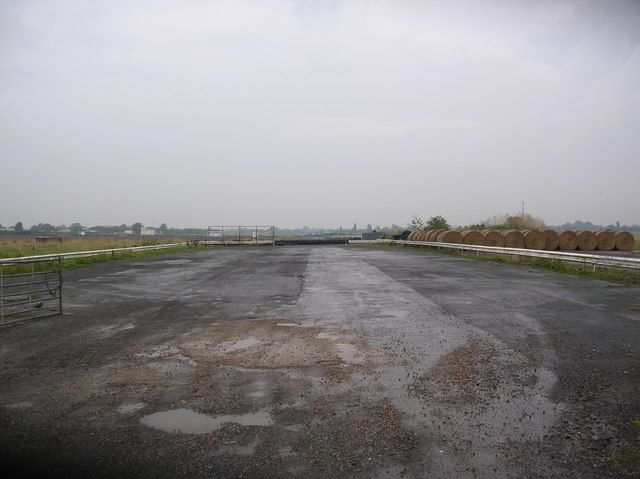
x,y
60,283
1,291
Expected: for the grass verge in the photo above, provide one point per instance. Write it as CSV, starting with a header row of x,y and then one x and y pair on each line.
x,y
614,275
101,258
628,461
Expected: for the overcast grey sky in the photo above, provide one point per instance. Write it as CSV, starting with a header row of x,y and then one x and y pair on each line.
x,y
319,113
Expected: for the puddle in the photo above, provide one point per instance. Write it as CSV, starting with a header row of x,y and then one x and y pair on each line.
x,y
191,422
129,408
231,346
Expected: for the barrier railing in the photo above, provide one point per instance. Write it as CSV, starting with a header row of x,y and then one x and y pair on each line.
x,y
593,260
31,286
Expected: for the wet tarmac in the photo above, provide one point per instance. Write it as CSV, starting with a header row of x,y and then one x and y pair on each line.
x,y
324,361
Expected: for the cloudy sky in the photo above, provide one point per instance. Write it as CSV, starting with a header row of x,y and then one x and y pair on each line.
x,y
319,113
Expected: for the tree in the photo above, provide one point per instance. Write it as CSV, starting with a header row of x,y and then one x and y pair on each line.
x,y
43,229
437,223
75,228
136,228
162,229
19,227
417,224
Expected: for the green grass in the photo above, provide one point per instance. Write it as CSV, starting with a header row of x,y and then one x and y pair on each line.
x,y
102,258
628,461
621,276
19,247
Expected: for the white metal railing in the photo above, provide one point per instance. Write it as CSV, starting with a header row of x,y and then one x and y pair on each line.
x,y
581,258
83,254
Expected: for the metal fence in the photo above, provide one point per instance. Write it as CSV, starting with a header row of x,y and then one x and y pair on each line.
x,y
240,235
591,260
31,286
32,290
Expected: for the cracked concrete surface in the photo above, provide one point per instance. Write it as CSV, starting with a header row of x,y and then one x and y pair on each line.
x,y
323,361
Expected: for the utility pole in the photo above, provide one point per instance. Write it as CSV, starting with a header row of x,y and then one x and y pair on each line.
x,y
523,214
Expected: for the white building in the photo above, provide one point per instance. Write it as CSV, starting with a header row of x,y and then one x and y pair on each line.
x,y
147,231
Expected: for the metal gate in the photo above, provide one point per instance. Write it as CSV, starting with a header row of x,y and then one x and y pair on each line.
x,y
240,235
30,289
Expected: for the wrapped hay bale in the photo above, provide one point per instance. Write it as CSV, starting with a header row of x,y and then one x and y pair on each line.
x,y
606,240
534,239
551,240
624,241
567,241
492,238
449,236
587,240
473,237
513,239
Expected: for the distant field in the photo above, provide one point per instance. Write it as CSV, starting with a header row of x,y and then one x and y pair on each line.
x,y
15,247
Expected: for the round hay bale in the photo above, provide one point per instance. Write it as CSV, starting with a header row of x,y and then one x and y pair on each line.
x,y
492,238
433,236
534,239
624,241
606,240
473,237
513,239
422,235
412,236
551,240
449,236
587,240
567,241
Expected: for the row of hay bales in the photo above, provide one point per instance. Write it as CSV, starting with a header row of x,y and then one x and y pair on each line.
x,y
533,239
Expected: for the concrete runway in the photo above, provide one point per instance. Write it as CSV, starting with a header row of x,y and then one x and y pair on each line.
x,y
323,361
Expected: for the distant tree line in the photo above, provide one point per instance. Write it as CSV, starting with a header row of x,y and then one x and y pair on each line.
x,y
47,229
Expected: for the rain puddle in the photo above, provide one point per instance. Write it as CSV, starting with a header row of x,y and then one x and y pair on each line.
x,y
231,346
191,422
129,408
